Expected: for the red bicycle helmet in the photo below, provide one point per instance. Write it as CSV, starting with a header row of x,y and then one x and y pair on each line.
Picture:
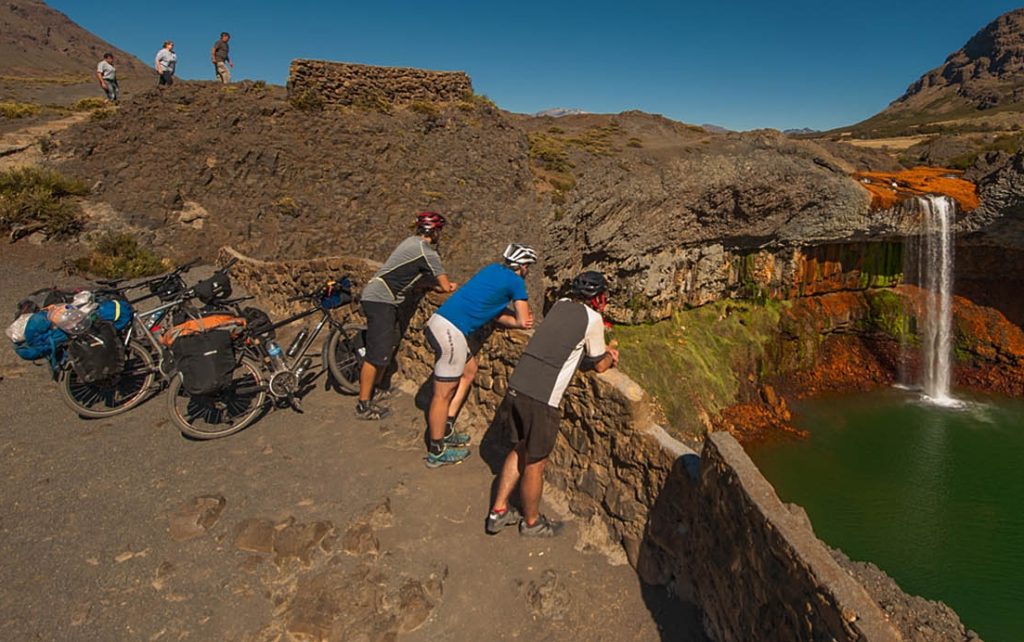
x,y
427,222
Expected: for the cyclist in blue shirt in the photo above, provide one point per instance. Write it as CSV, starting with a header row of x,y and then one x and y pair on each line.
x,y
483,298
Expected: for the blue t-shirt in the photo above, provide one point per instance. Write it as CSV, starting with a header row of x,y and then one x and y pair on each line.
x,y
483,297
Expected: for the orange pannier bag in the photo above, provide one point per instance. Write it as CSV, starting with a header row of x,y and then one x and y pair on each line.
x,y
228,322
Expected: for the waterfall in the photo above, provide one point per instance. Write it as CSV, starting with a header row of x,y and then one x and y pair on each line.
x,y
936,278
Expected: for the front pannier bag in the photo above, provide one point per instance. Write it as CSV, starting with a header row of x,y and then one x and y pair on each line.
x,y
98,353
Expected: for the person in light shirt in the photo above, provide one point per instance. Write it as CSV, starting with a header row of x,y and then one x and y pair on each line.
x,y
107,75
166,61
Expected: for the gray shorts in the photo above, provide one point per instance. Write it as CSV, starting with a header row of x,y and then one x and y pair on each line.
x,y
451,351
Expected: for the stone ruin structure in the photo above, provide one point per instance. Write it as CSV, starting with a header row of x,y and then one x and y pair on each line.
x,y
342,83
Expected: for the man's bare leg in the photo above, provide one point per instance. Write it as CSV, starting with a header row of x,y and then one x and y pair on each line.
x,y
509,477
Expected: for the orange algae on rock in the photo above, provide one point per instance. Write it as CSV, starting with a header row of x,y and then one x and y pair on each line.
x,y
890,188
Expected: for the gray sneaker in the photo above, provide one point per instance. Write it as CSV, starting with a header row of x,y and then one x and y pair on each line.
x,y
543,527
380,395
371,411
497,522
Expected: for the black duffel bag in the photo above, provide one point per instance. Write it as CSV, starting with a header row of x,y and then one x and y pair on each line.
x,y
98,353
214,289
205,361
258,322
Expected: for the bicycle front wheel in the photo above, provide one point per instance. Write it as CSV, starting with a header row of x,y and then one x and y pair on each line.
x,y
344,353
114,395
221,414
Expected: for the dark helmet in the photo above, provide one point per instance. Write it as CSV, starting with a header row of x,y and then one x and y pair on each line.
x,y
427,222
589,284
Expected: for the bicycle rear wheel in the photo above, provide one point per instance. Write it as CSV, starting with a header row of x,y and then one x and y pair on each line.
x,y
222,414
112,396
344,352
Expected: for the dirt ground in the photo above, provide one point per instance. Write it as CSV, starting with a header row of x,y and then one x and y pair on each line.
x,y
312,526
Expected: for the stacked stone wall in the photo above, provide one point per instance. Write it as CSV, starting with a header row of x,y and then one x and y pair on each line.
x,y
710,526
341,83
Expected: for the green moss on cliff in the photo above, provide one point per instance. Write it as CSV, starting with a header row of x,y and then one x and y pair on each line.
x,y
888,315
691,361
881,265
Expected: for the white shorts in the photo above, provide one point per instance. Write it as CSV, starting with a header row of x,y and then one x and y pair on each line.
x,y
451,351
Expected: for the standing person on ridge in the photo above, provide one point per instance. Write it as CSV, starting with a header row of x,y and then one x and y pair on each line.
x,y
572,330
107,75
221,58
415,258
483,298
166,61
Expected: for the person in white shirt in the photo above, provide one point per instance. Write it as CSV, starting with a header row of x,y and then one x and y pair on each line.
x,y
166,60
107,76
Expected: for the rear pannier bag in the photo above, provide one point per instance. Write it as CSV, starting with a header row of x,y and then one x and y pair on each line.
x,y
98,353
205,361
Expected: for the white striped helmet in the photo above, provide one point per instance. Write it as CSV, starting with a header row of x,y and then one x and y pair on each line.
x,y
518,254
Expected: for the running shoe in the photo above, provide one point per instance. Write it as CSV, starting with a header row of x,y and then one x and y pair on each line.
x,y
371,411
446,457
384,394
543,527
453,438
497,522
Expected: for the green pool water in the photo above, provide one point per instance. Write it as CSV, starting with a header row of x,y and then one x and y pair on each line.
x,y
933,496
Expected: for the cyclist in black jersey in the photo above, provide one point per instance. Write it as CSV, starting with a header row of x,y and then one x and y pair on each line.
x,y
571,334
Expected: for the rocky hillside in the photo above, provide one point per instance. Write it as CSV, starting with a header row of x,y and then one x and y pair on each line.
x,y
46,57
977,88
200,165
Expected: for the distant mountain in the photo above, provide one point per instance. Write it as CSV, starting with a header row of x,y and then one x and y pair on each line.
x,y
558,112
800,132
42,44
715,129
979,87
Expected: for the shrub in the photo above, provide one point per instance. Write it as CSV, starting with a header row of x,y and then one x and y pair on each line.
x,y
119,256
89,104
287,205
634,142
259,84
373,101
425,108
19,110
307,101
480,100
102,114
549,152
35,199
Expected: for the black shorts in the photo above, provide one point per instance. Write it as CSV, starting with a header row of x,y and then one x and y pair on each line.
x,y
531,421
382,332
166,78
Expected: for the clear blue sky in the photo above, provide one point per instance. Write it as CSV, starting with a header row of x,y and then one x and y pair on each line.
x,y
741,64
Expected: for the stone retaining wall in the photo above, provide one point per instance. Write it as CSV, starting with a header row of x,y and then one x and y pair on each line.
x,y
712,528
342,83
